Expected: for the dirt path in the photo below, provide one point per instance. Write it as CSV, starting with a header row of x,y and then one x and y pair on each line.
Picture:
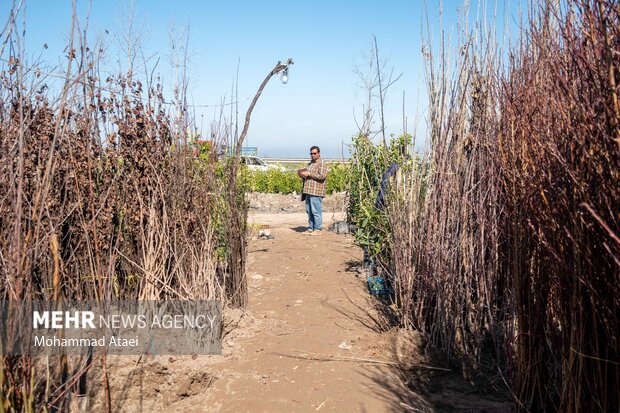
x,y
307,300
308,304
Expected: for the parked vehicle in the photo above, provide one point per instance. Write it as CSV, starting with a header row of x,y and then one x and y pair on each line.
x,y
255,163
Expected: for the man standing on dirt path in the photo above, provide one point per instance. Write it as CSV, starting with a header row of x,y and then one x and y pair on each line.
x,y
315,184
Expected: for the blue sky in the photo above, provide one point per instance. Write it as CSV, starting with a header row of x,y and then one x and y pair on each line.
x,y
326,39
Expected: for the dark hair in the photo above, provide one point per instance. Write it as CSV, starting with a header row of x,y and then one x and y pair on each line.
x,y
317,148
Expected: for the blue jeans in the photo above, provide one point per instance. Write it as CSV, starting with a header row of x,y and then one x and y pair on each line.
x,y
315,212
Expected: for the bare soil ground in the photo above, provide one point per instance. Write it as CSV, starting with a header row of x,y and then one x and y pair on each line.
x,y
279,203
312,339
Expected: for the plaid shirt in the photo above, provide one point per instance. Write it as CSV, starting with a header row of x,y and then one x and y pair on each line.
x,y
316,183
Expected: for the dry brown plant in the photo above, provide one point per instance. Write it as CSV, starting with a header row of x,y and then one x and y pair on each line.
x,y
102,198
507,238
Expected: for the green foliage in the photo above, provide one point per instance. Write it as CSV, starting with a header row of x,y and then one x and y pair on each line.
x,y
338,177
368,163
373,230
203,149
275,181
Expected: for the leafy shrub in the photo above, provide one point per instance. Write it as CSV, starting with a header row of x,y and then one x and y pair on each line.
x,y
338,177
368,163
275,181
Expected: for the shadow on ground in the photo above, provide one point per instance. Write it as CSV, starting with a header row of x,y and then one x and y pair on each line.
x,y
421,380
299,229
353,266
